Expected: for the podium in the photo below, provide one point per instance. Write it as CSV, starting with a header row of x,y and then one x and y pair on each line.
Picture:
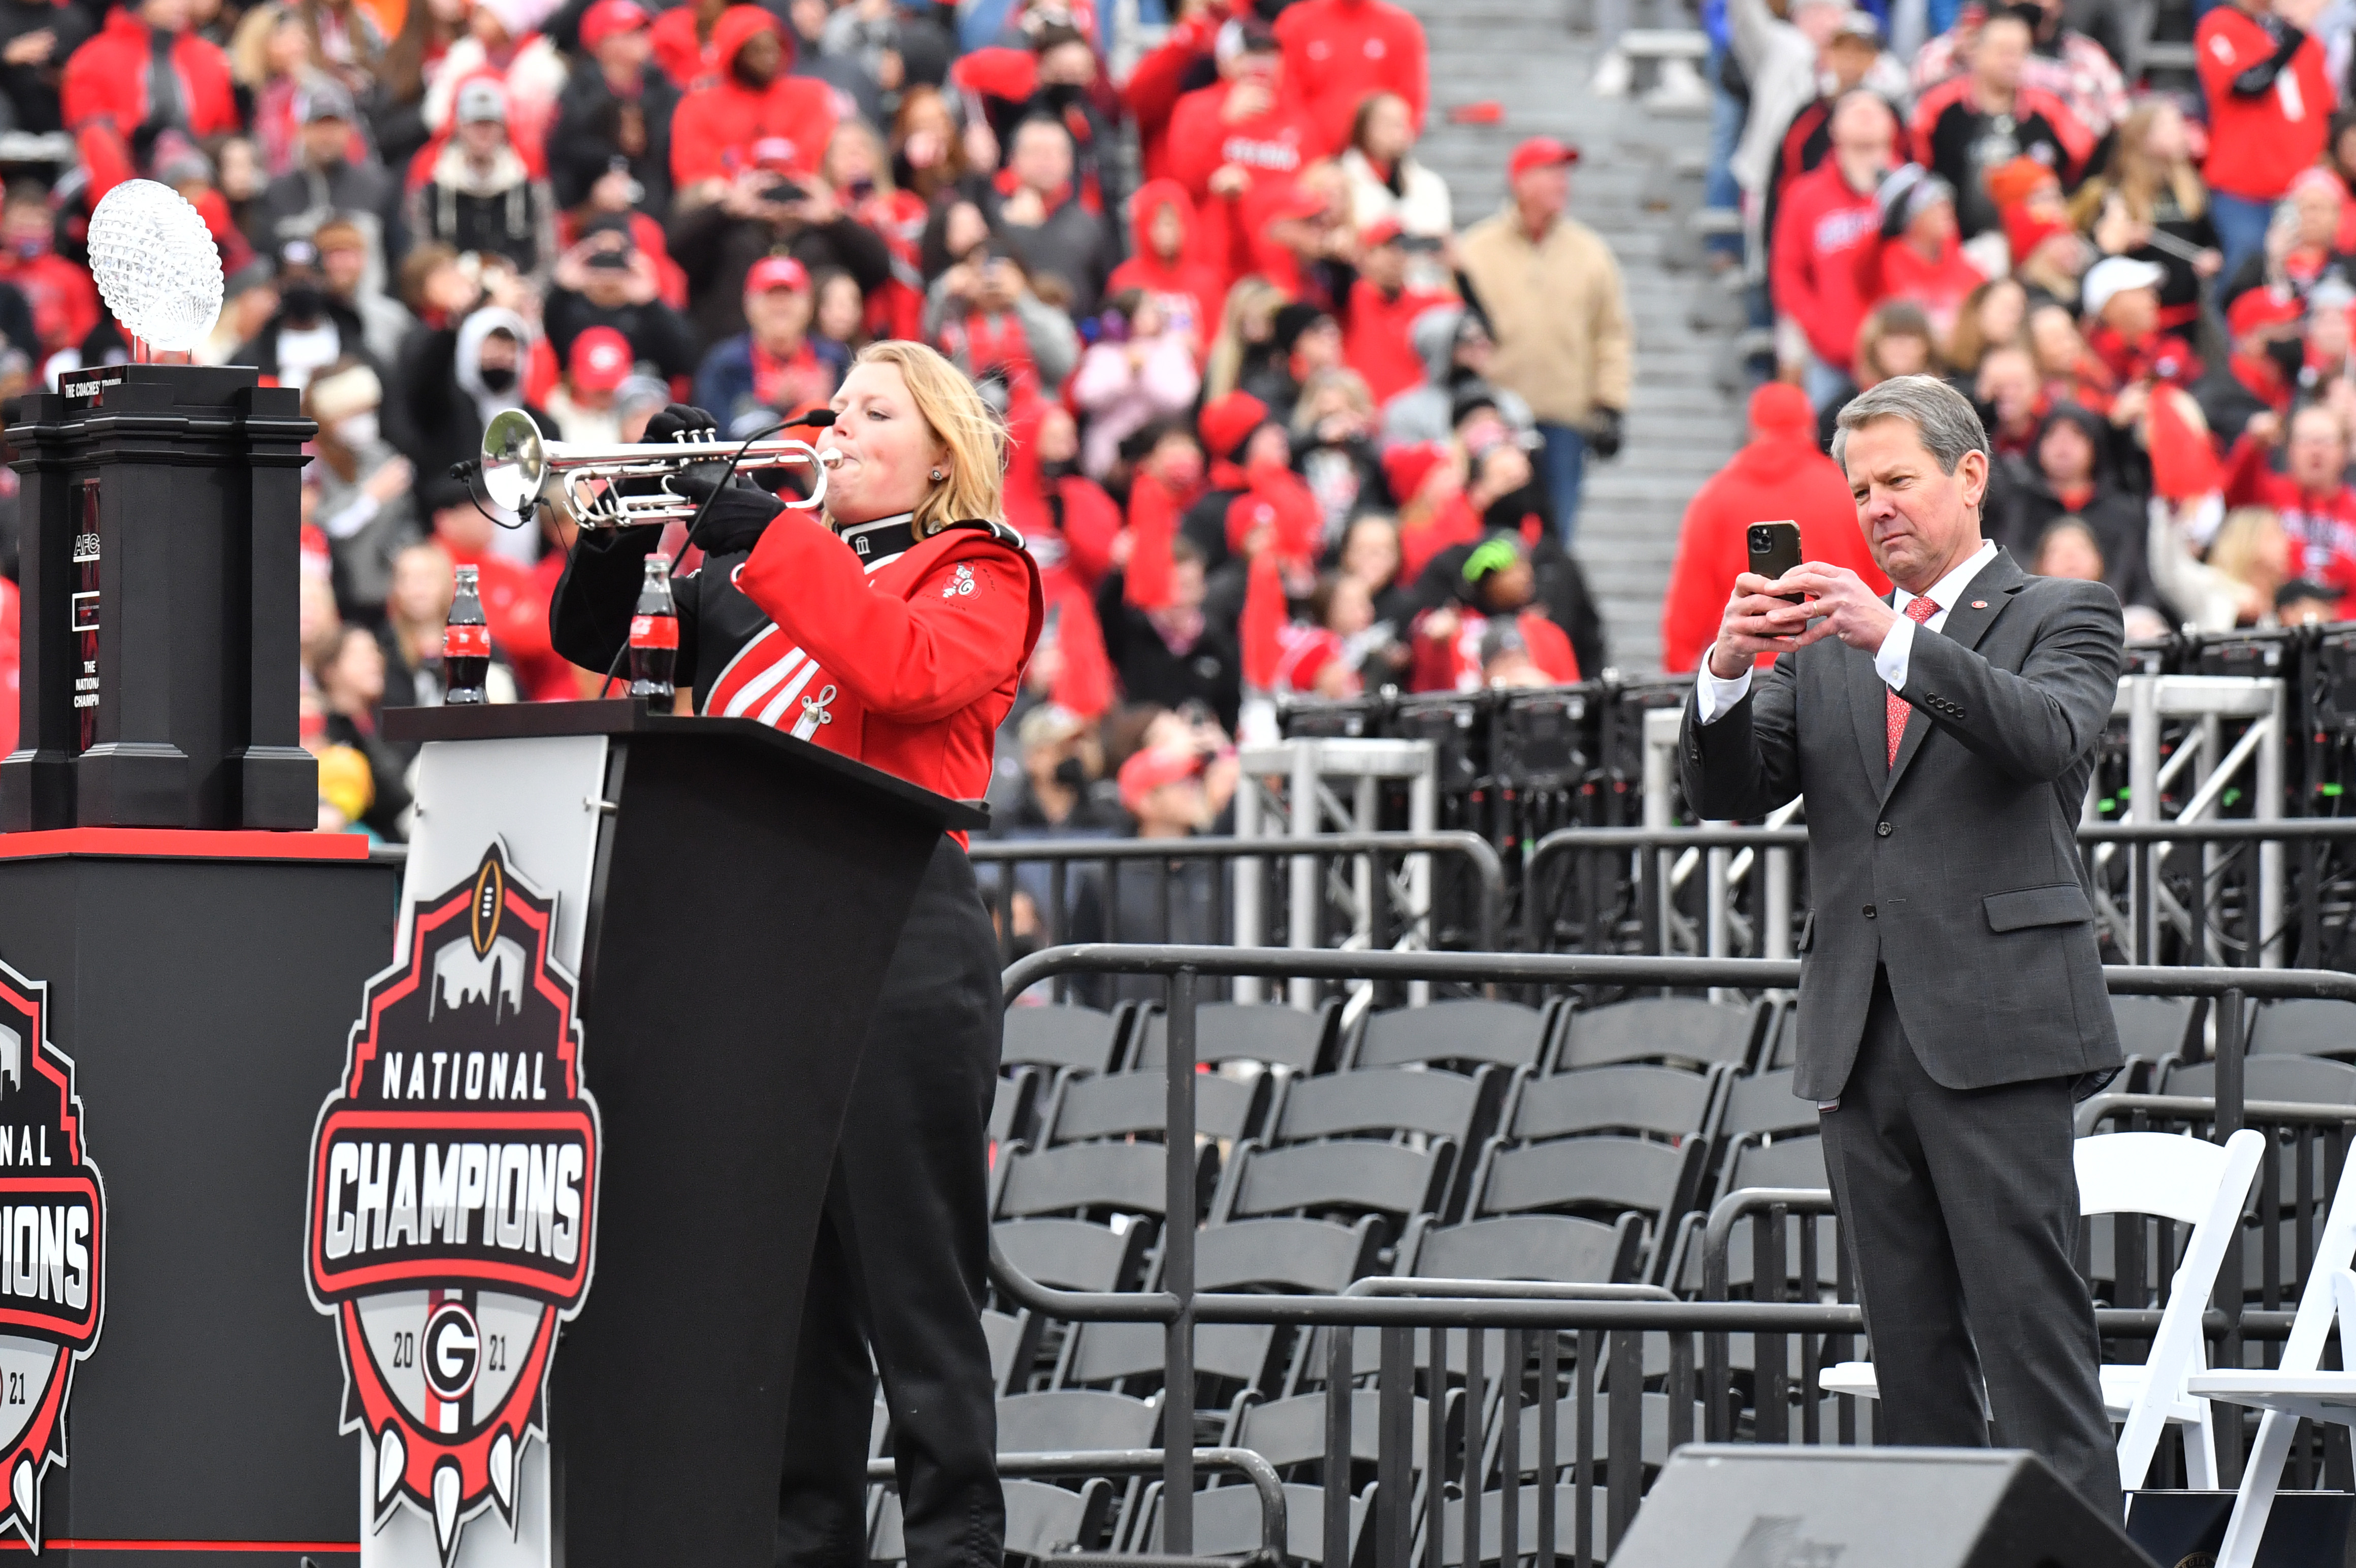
x,y
722,901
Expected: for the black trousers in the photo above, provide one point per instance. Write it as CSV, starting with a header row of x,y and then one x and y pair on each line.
x,y
1961,1210
902,1258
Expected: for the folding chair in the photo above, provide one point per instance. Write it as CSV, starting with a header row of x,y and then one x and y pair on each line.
x,y
1655,1101
2304,1080
2304,1026
2170,1177
1272,1036
2298,1389
1465,1032
1082,1039
1660,1028
1136,1105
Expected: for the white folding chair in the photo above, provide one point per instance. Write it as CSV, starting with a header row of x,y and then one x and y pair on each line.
x,y
2295,1390
2172,1177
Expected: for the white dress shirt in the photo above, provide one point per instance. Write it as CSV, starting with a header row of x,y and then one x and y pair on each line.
x,y
1713,697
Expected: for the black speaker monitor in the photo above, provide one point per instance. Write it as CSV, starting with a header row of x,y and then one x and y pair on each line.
x,y
1724,1506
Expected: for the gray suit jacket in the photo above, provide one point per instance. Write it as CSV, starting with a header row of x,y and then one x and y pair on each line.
x,y
1956,870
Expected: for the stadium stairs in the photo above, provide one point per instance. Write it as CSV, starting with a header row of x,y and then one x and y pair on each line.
x,y
1638,185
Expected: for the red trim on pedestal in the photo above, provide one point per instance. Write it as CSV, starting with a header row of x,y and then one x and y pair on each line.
x,y
185,843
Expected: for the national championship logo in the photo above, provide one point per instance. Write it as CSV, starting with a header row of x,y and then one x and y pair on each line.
x,y
52,1250
453,1201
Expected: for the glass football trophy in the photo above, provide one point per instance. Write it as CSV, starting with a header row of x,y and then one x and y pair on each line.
x,y
160,549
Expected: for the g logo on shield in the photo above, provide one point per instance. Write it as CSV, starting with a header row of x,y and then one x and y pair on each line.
x,y
454,1351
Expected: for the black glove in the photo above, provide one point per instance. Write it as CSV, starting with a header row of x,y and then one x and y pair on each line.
x,y
1605,431
680,422
735,520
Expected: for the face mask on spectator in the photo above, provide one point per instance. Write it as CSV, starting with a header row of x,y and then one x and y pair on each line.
x,y
30,247
302,302
497,378
1071,774
358,431
2289,356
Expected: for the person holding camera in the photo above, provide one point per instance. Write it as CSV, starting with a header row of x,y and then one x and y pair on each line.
x,y
891,629
1952,1004
767,209
982,312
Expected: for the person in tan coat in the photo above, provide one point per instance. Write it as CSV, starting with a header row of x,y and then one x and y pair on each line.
x,y
1555,303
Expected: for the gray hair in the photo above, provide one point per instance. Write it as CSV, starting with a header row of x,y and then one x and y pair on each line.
x,y
1943,417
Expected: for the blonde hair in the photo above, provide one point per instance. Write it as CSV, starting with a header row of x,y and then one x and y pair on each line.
x,y
960,421
2244,543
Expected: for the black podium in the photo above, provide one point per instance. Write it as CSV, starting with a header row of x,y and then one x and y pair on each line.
x,y
724,900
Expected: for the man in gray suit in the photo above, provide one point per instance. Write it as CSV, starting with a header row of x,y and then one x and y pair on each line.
x,y
1951,1003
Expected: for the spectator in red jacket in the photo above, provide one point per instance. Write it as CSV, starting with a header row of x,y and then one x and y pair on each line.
x,y
108,93
1382,308
1162,231
63,299
1237,147
712,135
2270,103
1151,94
2313,500
1780,475
1497,589
1918,256
682,41
1828,218
1971,125
1338,52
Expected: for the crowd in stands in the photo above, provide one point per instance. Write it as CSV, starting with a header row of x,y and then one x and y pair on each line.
x,y
1281,422
2147,292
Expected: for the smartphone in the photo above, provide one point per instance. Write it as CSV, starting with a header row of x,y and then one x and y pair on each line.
x,y
1776,550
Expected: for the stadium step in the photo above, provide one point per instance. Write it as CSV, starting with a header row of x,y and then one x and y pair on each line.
x,y
1637,185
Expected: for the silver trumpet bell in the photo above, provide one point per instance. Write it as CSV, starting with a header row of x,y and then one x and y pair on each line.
x,y
520,468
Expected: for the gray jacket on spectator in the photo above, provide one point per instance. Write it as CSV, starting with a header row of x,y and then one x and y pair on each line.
x,y
1420,412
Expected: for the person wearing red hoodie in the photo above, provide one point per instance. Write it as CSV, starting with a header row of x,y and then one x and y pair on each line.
x,y
1161,229
1828,217
712,135
1237,147
1382,310
1251,461
1151,92
110,91
2313,500
683,44
1918,256
1339,52
1167,483
63,299
1779,475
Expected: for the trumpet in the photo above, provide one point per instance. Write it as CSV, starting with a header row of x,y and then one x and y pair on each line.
x,y
520,468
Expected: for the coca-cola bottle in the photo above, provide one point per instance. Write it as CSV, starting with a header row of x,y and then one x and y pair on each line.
x,y
654,633
465,643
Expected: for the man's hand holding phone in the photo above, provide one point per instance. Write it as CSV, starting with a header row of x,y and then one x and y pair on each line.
x,y
1758,619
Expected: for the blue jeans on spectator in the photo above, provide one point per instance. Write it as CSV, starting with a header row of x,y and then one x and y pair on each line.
x,y
2241,229
1562,462
1718,187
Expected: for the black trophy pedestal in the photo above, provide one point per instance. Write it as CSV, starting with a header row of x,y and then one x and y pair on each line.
x,y
203,984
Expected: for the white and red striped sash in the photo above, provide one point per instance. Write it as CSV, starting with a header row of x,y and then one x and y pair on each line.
x,y
773,682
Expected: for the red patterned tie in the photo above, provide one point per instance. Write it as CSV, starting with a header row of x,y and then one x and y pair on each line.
x,y
1922,609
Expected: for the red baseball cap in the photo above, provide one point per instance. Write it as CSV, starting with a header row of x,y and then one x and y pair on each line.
x,y
1539,151
608,17
2261,307
601,358
1146,771
776,271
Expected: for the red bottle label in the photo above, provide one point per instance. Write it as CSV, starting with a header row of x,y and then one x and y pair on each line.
x,y
654,631
466,642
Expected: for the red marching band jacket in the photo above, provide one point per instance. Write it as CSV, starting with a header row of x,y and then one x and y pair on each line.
x,y
910,667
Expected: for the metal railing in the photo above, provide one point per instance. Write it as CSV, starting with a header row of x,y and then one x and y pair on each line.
x,y
1610,1330
1631,880
1089,873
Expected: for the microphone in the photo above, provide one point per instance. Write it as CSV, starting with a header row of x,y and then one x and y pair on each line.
x,y
464,470
818,418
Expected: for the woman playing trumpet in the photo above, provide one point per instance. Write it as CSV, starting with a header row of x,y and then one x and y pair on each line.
x,y
893,631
